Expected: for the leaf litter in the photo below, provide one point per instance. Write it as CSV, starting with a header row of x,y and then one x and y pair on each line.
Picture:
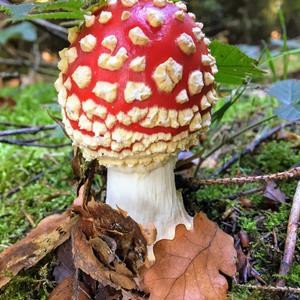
x,y
191,265
102,254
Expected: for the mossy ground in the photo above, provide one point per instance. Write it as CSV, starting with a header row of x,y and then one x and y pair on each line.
x,y
54,190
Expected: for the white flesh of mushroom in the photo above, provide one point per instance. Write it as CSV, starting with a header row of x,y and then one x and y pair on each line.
x,y
149,197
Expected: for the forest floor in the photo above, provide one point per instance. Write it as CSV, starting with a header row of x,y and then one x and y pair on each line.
x,y
36,182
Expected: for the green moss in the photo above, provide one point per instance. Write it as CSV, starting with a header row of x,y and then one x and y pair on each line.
x,y
276,156
277,219
32,284
293,278
52,192
246,107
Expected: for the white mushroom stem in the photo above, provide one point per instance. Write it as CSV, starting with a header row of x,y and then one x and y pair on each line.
x,y
149,197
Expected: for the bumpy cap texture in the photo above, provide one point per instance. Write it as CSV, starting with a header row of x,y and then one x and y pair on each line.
x,y
137,82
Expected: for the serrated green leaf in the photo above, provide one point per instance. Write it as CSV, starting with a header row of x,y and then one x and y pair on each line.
x,y
235,67
60,9
56,16
288,94
25,31
17,11
73,5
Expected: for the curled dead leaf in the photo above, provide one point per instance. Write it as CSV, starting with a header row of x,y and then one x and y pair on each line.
x,y
100,220
189,266
48,235
108,246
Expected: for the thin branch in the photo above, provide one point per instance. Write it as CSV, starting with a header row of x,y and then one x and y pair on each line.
x,y
291,238
17,189
292,173
10,124
23,62
245,193
26,144
28,130
270,288
224,142
250,148
54,29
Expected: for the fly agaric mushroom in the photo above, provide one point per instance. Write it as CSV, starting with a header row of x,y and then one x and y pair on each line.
x,y
136,87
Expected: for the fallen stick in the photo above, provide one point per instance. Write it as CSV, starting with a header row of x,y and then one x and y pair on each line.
x,y
291,238
52,28
28,130
250,148
292,173
271,288
17,189
10,124
26,144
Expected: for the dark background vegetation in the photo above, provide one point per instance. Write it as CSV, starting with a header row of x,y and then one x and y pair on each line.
x,y
246,21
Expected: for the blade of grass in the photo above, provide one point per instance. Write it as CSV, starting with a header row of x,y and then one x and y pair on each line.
x,y
285,47
218,115
278,56
270,61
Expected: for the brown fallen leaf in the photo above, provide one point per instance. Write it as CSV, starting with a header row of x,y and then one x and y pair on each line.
x,y
49,234
65,291
100,220
7,101
287,135
243,265
188,267
108,246
85,260
274,193
64,262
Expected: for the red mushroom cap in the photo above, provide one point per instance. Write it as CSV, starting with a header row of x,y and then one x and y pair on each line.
x,y
136,84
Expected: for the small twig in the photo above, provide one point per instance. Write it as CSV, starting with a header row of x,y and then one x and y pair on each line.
x,y
224,142
291,238
26,144
10,124
270,288
17,189
245,193
23,62
28,130
54,29
250,148
292,173
90,174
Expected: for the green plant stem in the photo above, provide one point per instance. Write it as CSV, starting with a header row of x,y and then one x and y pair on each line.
x,y
270,62
218,115
285,47
286,53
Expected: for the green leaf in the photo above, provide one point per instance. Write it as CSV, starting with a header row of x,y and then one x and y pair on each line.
x,y
288,94
17,11
219,114
25,31
60,9
235,67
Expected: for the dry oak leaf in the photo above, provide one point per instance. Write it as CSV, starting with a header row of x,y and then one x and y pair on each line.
x,y
188,267
48,235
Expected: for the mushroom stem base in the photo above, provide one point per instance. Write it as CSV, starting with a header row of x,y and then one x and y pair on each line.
x,y
149,197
